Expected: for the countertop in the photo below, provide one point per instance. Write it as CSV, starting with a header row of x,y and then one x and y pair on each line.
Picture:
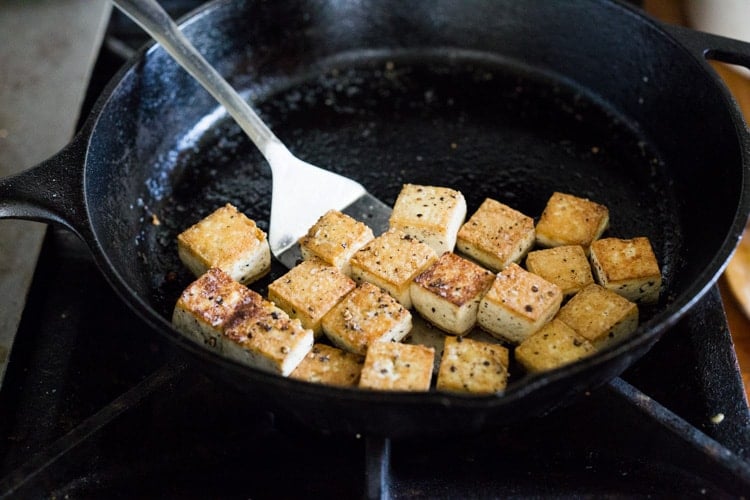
x,y
39,108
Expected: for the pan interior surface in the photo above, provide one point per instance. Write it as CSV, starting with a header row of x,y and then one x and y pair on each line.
x,y
504,99
469,121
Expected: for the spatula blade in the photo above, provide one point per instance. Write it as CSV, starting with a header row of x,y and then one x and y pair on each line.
x,y
366,208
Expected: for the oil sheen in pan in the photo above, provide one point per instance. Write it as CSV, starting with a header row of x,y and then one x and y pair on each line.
x,y
485,128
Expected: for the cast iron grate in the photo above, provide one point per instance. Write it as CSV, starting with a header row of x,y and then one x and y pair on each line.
x,y
98,408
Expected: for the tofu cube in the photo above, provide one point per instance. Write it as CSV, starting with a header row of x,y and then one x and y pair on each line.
x,y
263,336
430,214
472,366
447,293
334,238
229,240
600,315
207,305
566,266
570,220
554,345
393,366
309,290
329,366
627,267
496,235
391,261
365,316
517,304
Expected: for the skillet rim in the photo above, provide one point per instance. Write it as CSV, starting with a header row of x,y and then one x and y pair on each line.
x,y
646,334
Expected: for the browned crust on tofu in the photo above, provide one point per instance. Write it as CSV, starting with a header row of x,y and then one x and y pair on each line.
x,y
365,316
517,304
397,367
599,315
496,235
627,267
432,214
222,239
330,366
566,266
472,366
269,335
571,220
455,279
214,298
552,346
334,238
391,261
525,293
309,290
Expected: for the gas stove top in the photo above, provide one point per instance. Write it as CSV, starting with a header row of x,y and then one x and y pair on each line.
x,y
96,405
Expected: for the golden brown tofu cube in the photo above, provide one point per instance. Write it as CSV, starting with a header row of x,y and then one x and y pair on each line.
x,y
570,220
517,304
554,345
391,261
566,266
263,336
627,267
330,366
431,214
600,315
365,316
309,290
334,238
393,366
471,366
226,239
208,304
496,235
447,293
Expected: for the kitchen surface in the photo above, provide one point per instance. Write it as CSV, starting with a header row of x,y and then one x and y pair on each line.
x,y
122,415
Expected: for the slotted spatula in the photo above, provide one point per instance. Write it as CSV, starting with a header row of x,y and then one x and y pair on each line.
x,y
301,192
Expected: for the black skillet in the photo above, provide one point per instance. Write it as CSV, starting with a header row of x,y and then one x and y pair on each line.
x,y
503,99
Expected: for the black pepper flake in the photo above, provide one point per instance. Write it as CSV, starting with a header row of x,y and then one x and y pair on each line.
x,y
528,308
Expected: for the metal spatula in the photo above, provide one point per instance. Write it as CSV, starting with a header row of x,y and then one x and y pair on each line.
x,y
301,192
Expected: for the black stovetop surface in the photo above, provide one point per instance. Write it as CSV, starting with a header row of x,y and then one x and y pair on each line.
x,y
94,404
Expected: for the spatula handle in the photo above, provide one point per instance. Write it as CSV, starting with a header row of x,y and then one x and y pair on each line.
x,y
156,22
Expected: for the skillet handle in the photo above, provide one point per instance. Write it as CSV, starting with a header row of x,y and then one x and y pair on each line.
x,y
714,47
50,192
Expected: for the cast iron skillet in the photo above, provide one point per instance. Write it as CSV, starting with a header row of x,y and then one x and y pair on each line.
x,y
511,100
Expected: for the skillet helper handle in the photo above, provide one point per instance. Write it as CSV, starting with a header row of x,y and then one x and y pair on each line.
x,y
714,47
50,192
159,25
